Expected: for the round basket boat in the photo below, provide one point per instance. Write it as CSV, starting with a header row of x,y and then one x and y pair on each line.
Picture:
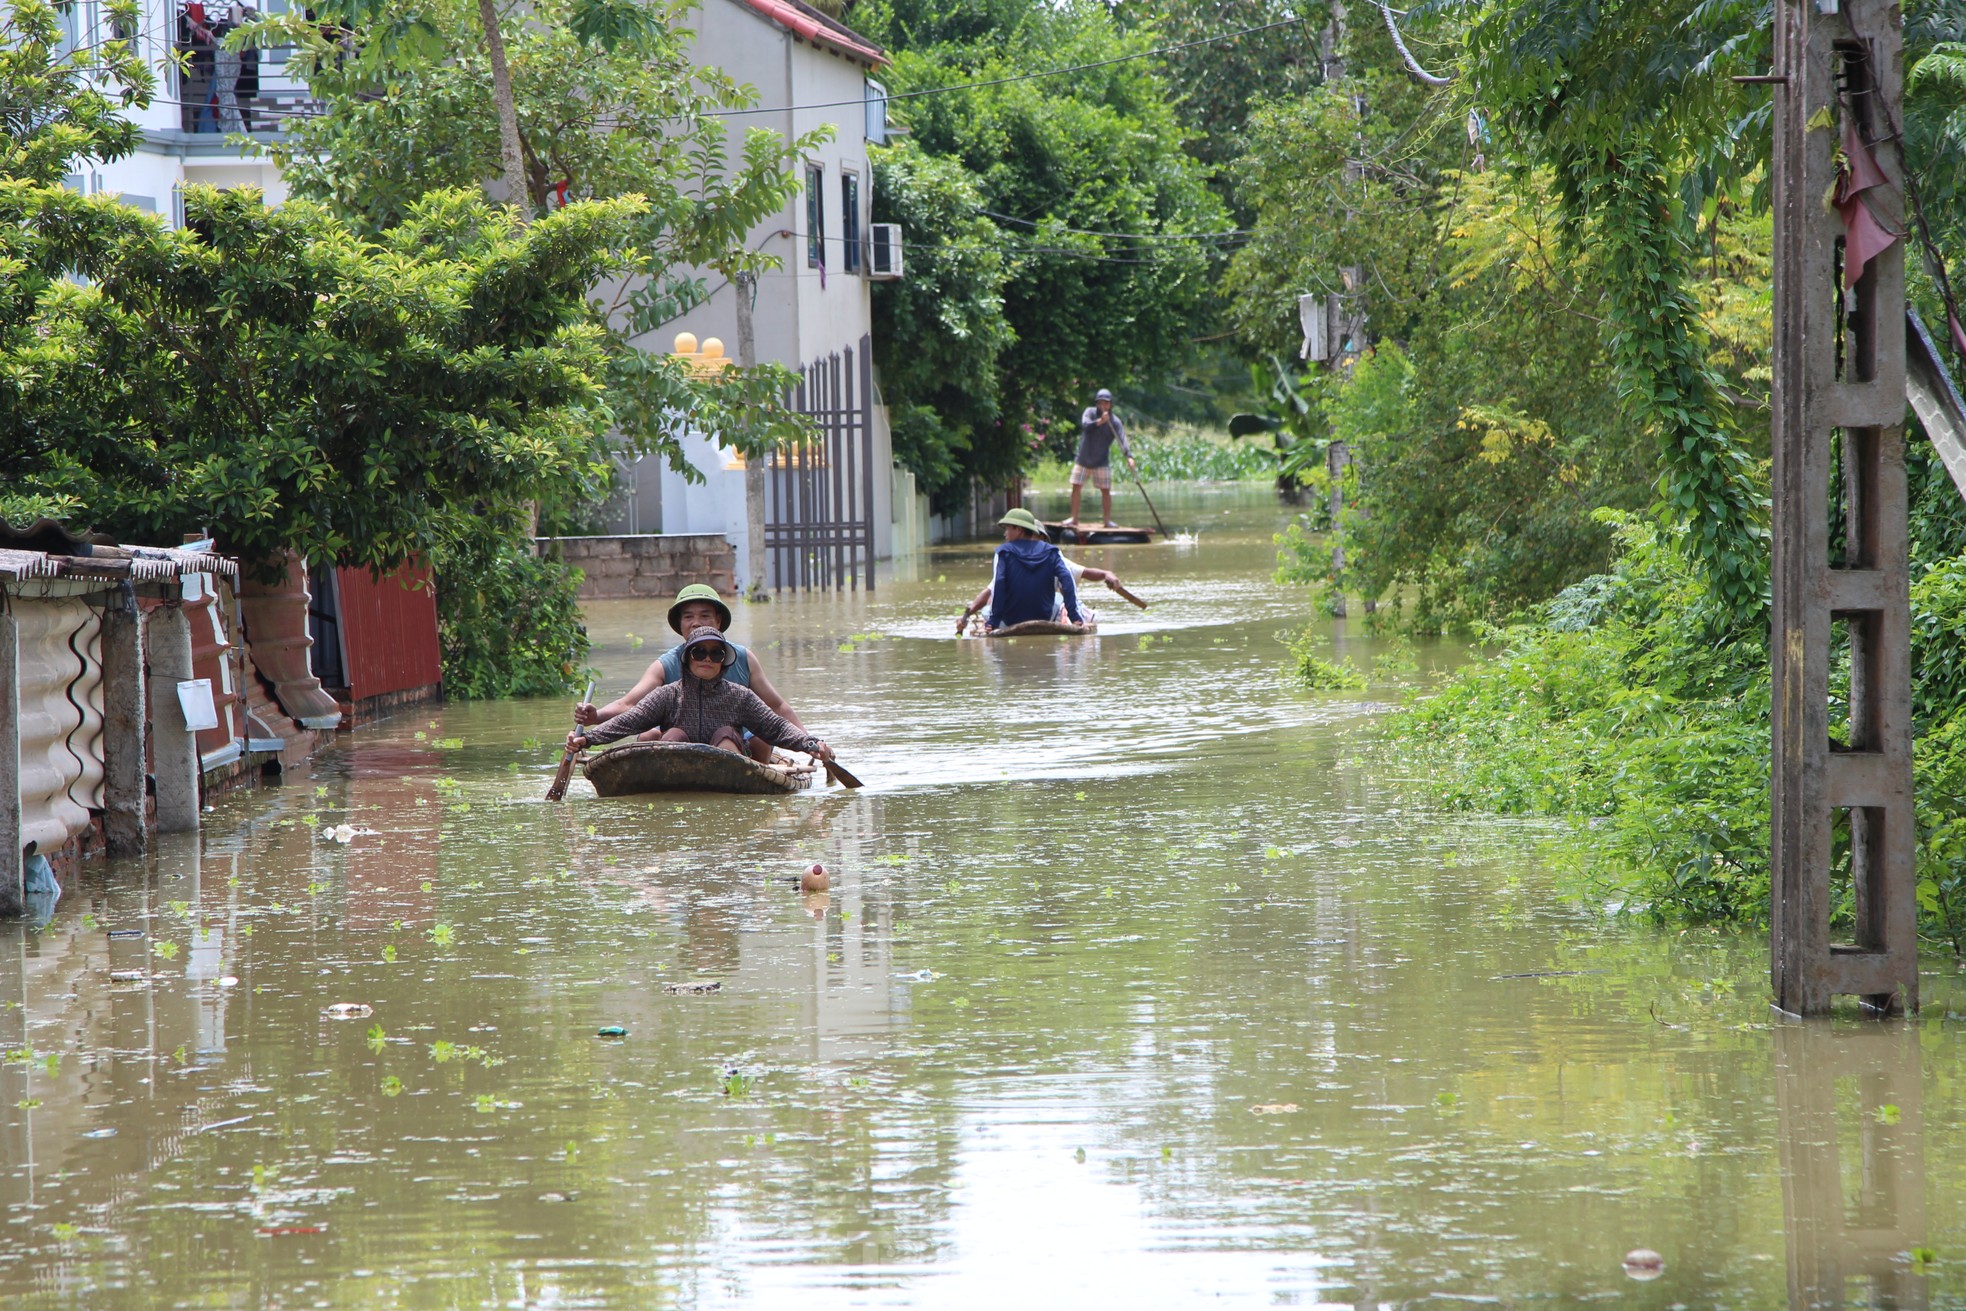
x,y
688,767
1036,628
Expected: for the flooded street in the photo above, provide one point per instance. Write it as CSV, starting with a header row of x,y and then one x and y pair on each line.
x,y
1139,985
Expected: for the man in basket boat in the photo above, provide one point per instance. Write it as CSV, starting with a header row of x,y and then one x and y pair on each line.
x,y
1032,580
696,606
705,707
1081,575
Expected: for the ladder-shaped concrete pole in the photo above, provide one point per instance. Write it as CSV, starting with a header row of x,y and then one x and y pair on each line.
x,y
1839,387
173,745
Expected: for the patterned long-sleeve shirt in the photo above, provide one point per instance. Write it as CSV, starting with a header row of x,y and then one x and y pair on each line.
x,y
700,708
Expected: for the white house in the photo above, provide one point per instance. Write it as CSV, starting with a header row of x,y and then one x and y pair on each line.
x,y
183,140
809,71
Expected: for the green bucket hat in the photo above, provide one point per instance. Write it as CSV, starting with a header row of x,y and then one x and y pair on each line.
x,y
1022,518
698,592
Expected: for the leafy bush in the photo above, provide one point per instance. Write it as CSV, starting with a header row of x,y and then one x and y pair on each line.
x,y
1165,457
1191,457
508,621
1628,717
1317,673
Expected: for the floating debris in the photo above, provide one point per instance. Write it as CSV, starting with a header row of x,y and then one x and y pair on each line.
x,y
921,976
815,879
1642,1263
1273,1108
117,935
290,1231
558,1197
611,1031
349,1010
695,989
127,976
229,981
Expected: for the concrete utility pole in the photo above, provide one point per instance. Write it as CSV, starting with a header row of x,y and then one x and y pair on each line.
x,y
754,465
1840,372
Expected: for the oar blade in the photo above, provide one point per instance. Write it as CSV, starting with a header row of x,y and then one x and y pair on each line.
x,y
839,774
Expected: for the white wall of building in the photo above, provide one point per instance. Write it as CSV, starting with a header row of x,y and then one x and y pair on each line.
x,y
800,317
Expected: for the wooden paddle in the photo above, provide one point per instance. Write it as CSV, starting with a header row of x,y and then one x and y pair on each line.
x,y
838,774
558,791
1114,584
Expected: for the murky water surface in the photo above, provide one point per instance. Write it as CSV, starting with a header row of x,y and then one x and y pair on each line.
x,y
1136,988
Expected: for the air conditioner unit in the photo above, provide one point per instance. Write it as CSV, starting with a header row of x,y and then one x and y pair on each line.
x,y
884,252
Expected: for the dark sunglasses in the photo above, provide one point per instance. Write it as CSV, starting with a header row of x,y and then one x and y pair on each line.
x,y
708,652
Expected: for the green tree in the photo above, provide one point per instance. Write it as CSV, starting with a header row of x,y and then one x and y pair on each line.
x,y
942,385
1061,165
275,377
608,106
1219,84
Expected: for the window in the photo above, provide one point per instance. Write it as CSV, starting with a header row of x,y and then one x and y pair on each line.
x,y
875,99
850,221
815,216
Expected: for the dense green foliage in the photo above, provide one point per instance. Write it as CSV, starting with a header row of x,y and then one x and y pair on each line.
x,y
1616,707
945,319
507,619
1055,165
411,113
269,374
1569,312
1277,57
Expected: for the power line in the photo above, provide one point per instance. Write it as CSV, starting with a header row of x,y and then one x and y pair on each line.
x,y
1120,236
969,248
1017,77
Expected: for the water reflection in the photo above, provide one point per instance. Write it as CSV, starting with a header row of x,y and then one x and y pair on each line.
x,y
1853,1163
1138,983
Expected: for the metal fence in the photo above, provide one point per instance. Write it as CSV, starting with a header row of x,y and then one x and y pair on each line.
x,y
819,496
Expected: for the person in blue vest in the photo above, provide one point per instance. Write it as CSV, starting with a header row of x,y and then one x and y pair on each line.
x,y
1030,577
697,606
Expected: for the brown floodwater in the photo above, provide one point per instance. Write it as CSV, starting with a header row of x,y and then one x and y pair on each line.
x,y
1143,983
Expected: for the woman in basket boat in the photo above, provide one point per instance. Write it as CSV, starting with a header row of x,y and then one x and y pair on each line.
x,y
704,707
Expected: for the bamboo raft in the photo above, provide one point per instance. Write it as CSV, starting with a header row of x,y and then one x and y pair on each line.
x,y
1085,534
642,767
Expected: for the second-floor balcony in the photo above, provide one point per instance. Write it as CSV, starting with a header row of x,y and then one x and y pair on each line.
x,y
218,90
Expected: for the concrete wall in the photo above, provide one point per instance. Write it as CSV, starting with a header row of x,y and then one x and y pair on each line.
x,y
650,565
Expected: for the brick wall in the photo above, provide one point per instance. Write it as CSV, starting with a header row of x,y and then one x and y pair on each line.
x,y
655,565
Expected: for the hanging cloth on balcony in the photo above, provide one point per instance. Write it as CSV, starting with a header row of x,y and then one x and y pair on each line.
x,y
1864,238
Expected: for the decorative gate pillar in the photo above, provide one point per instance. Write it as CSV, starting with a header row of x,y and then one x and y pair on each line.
x,y
1839,394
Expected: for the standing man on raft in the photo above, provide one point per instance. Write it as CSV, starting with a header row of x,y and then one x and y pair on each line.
x,y
697,606
1098,426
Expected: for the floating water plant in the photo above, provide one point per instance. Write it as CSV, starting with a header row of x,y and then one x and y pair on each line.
x,y
736,1083
391,1086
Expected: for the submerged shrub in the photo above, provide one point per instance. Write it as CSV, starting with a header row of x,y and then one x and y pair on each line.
x,y
508,621
1622,711
1317,673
